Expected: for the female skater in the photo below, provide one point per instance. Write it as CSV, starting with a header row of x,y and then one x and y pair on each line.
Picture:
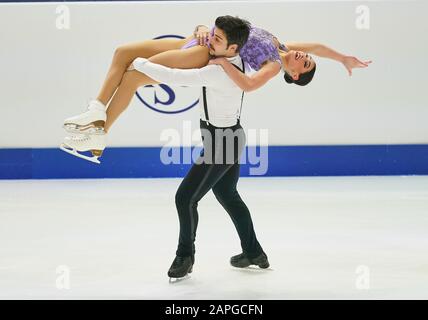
x,y
262,52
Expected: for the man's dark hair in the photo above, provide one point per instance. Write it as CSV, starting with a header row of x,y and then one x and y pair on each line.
x,y
236,30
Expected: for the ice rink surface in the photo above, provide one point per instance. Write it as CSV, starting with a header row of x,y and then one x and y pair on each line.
x,y
326,238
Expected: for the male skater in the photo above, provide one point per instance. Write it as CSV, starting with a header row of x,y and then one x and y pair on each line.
x,y
223,140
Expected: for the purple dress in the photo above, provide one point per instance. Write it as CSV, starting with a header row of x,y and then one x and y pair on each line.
x,y
259,48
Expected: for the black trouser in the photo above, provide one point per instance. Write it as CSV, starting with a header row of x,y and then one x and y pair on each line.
x,y
221,174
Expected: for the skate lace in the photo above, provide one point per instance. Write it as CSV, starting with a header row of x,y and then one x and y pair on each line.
x,y
177,261
88,104
81,138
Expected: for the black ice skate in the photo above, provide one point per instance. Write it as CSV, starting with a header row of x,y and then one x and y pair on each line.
x,y
181,267
243,261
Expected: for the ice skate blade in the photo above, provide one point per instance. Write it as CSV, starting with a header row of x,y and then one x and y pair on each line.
x,y
177,280
73,152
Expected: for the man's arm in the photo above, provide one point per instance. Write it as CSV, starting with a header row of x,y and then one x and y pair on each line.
x,y
210,76
245,82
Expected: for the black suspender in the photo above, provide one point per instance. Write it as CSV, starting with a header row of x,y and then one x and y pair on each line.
x,y
204,93
242,97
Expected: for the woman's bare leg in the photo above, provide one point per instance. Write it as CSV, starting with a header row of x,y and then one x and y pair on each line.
x,y
195,57
125,54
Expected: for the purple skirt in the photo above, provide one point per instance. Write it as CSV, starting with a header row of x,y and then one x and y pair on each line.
x,y
191,43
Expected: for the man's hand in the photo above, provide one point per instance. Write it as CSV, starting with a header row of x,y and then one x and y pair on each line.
x,y
218,61
352,62
202,34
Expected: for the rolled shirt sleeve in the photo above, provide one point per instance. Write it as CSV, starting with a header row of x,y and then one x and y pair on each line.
x,y
209,76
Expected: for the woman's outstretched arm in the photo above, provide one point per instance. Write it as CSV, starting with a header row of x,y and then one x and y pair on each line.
x,y
323,51
249,83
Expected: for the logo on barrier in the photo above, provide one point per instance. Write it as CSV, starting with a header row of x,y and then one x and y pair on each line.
x,y
166,99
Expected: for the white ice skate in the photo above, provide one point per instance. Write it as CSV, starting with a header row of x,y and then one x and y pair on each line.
x,y
95,143
91,121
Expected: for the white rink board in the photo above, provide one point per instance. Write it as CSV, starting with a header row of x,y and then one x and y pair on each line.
x,y
49,74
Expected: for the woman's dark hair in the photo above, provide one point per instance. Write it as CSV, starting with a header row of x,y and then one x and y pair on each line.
x,y
236,30
304,78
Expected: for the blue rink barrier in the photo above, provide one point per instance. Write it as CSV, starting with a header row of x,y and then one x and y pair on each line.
x,y
145,162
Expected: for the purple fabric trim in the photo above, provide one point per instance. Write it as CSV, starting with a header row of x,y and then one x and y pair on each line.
x,y
190,44
194,42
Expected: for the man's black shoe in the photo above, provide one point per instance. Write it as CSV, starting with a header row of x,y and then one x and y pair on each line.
x,y
180,267
243,261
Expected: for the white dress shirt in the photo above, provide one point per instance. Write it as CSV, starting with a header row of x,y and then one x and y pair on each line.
x,y
223,95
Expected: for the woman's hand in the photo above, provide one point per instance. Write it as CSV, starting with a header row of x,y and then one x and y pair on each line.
x,y
352,62
219,61
202,34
